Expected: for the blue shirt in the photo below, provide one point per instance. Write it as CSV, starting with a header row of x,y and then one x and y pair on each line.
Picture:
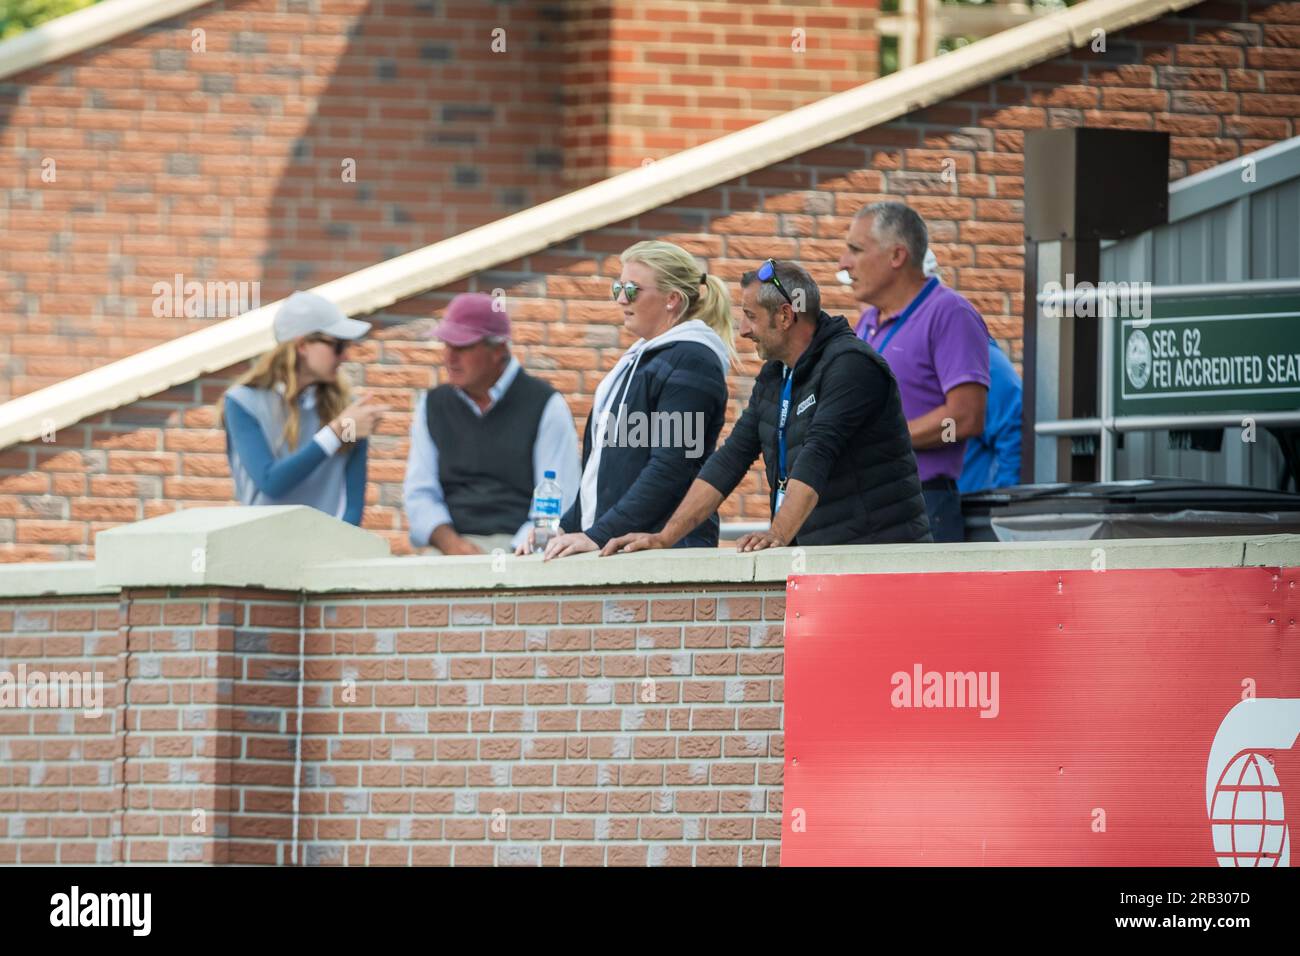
x,y
993,458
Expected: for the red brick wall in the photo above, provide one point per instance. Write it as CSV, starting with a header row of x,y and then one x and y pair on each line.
x,y
61,794
226,165
532,711
644,80
1222,79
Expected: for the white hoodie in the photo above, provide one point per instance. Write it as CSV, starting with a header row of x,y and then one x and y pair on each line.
x,y
692,330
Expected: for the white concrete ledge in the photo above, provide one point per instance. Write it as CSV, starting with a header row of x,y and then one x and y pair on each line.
x,y
1272,551
269,547
724,566
298,548
50,578
1225,552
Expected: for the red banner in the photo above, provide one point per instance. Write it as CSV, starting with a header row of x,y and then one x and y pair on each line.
x,y
1116,718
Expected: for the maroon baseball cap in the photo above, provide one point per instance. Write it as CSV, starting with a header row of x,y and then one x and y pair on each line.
x,y
472,317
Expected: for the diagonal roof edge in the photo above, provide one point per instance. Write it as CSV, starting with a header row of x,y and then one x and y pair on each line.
x,y
83,29
1271,166
592,207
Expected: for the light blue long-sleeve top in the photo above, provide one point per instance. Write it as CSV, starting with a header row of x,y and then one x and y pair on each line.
x,y
318,472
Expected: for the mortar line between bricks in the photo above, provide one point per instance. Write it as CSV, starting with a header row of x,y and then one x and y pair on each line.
x,y
297,748
124,609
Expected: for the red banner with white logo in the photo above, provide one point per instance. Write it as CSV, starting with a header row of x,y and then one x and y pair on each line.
x,y
1112,718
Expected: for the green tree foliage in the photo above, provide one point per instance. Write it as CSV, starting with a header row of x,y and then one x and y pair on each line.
x,y
889,45
19,15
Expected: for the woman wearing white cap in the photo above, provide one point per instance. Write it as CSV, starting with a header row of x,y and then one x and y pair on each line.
x,y
279,451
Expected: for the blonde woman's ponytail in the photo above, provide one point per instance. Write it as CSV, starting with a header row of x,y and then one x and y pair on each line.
x,y
714,310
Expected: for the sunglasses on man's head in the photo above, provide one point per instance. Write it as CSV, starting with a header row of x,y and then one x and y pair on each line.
x,y
337,344
630,289
767,273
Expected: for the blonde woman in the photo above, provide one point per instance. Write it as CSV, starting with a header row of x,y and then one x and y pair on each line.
x,y
280,453
657,414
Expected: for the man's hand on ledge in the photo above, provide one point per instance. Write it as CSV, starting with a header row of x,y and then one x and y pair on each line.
x,y
446,540
636,541
563,545
759,541
525,547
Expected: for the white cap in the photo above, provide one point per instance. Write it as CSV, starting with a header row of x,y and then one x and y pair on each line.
x,y
305,313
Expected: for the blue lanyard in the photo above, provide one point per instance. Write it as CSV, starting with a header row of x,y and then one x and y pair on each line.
x,y
785,416
911,307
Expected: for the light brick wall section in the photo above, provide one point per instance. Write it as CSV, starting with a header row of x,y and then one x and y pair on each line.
x,y
61,793
1223,79
529,709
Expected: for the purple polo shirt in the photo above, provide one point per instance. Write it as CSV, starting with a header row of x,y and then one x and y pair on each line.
x,y
944,343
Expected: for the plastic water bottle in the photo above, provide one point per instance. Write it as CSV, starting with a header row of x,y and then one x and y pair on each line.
x,y
547,505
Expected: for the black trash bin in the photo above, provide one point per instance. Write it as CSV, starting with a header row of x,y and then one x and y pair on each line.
x,y
1144,508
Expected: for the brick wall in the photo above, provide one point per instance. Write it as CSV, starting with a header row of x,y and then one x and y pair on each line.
x,y
600,727
644,80
1222,79
61,794
227,165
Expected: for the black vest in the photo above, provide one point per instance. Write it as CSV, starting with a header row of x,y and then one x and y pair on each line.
x,y
873,495
485,462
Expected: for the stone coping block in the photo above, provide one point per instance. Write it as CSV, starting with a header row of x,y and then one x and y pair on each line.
x,y
267,546
294,547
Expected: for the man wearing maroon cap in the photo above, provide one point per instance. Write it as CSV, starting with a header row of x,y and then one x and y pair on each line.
x,y
481,442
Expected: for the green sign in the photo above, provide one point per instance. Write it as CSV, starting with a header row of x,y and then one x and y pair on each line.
x,y
1227,353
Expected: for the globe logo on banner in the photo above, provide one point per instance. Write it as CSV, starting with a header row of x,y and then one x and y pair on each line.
x,y
1248,817
1243,793
1137,359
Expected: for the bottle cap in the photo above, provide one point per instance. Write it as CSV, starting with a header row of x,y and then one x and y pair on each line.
x,y
548,475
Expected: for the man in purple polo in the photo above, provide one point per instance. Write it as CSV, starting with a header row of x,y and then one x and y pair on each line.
x,y
935,342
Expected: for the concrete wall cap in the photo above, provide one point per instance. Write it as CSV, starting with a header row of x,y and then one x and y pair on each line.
x,y
53,578
294,547
265,546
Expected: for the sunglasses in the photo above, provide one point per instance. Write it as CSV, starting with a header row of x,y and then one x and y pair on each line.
x,y
767,273
338,345
630,289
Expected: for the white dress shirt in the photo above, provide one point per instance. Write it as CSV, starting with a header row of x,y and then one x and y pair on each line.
x,y
555,449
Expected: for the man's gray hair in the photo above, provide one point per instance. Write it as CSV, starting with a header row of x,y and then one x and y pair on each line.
x,y
798,284
898,222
